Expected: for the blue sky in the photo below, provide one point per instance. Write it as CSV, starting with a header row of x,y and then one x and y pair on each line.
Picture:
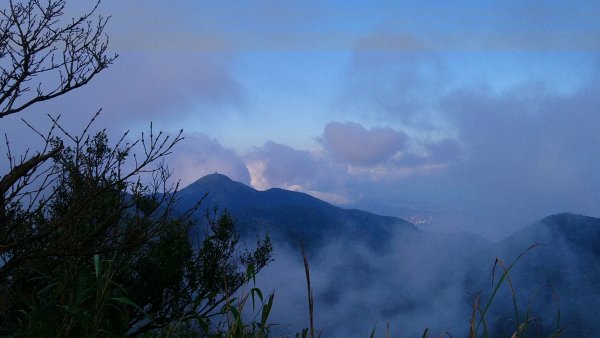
x,y
470,115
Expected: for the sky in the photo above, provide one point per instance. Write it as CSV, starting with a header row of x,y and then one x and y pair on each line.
x,y
477,116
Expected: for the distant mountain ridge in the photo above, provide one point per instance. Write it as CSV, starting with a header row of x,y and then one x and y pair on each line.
x,y
289,216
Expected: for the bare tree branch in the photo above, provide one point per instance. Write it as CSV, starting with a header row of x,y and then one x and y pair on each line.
x,y
23,169
35,42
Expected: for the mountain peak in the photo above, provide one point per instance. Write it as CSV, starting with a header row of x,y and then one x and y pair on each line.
x,y
566,222
571,225
220,181
216,177
564,217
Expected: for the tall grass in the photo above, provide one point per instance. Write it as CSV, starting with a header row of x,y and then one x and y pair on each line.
x,y
310,294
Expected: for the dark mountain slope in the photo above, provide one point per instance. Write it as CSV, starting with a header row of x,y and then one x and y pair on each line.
x,y
579,232
563,270
288,216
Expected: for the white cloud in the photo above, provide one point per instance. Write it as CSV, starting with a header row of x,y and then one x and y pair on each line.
x,y
257,175
330,197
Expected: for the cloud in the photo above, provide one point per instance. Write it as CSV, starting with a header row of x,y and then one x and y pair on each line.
x,y
487,26
393,85
409,284
353,144
396,176
199,155
494,148
529,151
151,79
313,172
419,280
281,166
330,197
153,86
506,25
432,153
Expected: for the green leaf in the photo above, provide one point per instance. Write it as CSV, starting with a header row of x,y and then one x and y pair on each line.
x,y
234,312
128,301
251,273
267,310
259,293
373,332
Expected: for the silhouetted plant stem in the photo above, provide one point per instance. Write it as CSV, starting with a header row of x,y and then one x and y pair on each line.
x,y
310,293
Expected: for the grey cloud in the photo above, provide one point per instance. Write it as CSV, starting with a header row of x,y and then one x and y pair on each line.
x,y
143,86
409,285
390,187
284,166
358,164
424,280
529,152
506,25
199,155
353,144
442,152
149,81
152,79
489,26
519,155
509,156
393,86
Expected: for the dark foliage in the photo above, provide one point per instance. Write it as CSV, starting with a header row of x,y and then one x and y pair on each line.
x,y
89,245
103,254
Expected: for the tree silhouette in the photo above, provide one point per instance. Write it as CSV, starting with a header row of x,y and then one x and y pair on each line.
x,y
43,57
89,242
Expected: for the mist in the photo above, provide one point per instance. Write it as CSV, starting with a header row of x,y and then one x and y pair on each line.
x,y
430,281
417,283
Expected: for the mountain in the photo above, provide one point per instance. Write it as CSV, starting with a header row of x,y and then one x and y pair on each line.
x,y
414,278
563,269
575,232
288,216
